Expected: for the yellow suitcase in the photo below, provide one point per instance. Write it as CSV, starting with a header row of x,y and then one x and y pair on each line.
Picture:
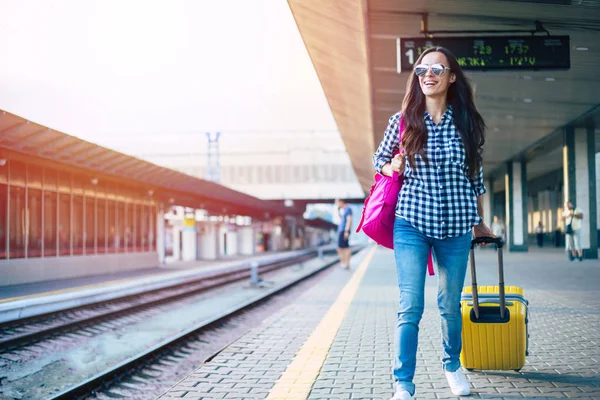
x,y
494,333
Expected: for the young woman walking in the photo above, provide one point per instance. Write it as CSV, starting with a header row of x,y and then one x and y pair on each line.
x,y
439,206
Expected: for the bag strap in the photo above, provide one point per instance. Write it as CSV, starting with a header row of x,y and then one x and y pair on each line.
x,y
401,127
430,270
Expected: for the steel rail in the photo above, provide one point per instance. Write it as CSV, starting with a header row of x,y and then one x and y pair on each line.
x,y
214,281
104,379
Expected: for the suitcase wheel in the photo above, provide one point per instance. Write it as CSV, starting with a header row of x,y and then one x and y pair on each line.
x,y
469,369
518,370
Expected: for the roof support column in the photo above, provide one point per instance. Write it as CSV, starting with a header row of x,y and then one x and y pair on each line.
x,y
161,230
547,211
189,241
553,222
208,247
230,239
247,239
579,168
516,205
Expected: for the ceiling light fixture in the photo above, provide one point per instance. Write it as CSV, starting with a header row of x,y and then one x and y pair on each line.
x,y
550,79
581,48
528,100
527,77
509,116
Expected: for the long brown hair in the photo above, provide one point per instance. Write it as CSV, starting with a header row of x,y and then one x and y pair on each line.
x,y
467,119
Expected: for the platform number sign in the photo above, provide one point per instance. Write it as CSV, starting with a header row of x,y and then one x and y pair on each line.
x,y
491,52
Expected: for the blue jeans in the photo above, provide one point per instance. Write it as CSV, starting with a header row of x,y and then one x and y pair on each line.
x,y
411,249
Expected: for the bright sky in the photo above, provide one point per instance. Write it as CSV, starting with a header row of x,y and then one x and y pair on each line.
x,y
103,70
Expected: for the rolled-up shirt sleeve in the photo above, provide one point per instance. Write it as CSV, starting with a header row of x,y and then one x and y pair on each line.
x,y
388,145
478,186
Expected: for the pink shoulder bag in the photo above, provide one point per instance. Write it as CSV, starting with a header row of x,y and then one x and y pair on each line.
x,y
379,210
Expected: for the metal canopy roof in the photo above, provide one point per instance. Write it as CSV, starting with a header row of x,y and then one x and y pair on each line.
x,y
352,45
21,135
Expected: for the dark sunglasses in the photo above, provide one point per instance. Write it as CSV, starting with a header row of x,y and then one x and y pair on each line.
x,y
438,69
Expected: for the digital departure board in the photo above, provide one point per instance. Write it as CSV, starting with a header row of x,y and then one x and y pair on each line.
x,y
492,52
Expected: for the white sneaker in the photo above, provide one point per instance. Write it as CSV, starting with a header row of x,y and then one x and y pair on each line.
x,y
458,383
401,394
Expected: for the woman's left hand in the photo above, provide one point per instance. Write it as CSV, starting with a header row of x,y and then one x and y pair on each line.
x,y
482,230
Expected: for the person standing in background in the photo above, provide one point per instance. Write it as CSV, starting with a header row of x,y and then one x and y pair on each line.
x,y
343,247
498,228
572,217
539,233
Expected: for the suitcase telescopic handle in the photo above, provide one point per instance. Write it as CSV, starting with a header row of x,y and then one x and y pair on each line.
x,y
487,240
499,243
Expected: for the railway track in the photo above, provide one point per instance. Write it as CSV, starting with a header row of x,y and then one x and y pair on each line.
x,y
159,363
148,365
14,335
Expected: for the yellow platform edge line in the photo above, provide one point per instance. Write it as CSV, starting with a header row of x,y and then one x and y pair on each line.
x,y
297,380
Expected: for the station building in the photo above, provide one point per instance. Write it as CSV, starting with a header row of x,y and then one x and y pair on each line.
x,y
70,208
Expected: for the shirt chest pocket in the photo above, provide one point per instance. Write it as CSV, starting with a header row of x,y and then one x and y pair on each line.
x,y
455,151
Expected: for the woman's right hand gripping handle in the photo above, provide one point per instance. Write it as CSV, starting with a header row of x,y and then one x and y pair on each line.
x,y
487,240
395,165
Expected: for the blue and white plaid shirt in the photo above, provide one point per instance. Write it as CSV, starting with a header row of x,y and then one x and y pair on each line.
x,y
439,198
